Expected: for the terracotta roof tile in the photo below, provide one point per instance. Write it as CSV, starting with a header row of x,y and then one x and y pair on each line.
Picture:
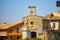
x,y
5,26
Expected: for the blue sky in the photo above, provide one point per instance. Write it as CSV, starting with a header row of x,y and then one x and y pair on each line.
x,y
14,10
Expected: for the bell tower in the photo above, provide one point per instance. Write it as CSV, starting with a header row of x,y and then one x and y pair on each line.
x,y
32,10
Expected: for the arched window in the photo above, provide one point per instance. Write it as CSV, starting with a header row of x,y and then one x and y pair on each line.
x,y
17,29
10,30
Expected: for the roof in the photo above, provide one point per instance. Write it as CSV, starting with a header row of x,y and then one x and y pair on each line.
x,y
15,33
6,26
56,14
53,15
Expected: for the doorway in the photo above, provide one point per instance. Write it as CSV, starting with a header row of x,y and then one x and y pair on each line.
x,y
33,34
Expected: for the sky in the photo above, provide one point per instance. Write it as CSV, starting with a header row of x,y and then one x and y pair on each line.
x,y
14,10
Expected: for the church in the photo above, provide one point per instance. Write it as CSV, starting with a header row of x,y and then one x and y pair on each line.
x,y
33,26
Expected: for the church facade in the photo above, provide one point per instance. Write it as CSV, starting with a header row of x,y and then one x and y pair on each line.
x,y
33,26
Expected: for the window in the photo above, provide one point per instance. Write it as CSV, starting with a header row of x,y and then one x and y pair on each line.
x,y
18,29
31,23
10,30
53,25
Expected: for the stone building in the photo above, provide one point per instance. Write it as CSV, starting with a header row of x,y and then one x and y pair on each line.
x,y
33,26
34,21
51,25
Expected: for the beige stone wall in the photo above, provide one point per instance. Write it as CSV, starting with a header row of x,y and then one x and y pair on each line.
x,y
37,20
56,25
37,23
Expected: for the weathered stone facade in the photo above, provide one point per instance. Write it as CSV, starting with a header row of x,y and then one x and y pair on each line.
x,y
33,26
